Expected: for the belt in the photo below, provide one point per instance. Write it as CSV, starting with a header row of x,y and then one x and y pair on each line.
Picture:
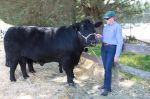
x,y
106,44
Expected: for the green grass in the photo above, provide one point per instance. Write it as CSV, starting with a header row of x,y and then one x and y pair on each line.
x,y
128,58
136,60
95,50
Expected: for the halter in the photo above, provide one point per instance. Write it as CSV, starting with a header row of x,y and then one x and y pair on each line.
x,y
86,37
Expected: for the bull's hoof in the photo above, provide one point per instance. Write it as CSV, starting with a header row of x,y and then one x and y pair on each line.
x,y
12,79
72,84
32,71
25,77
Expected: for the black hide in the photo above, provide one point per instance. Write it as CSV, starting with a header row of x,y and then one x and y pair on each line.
x,y
28,44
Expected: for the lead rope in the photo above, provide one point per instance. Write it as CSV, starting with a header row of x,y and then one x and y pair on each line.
x,y
98,59
99,63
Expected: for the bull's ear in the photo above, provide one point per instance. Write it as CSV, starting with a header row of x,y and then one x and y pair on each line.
x,y
98,24
76,26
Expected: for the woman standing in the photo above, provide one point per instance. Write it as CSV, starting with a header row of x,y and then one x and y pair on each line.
x,y
112,41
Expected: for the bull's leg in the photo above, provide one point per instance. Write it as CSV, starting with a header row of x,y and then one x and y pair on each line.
x,y
72,74
69,77
60,68
30,66
12,66
23,69
68,66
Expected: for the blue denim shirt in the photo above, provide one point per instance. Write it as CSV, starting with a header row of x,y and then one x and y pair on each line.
x,y
112,34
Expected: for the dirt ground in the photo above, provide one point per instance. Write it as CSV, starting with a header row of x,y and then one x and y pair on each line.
x,y
48,83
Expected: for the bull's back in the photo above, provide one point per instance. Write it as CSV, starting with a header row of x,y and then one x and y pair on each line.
x,y
36,42
14,35
17,38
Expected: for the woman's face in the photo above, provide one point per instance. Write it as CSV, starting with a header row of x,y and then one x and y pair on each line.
x,y
109,20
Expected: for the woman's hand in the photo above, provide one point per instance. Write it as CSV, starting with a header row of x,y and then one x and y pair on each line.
x,y
98,35
116,60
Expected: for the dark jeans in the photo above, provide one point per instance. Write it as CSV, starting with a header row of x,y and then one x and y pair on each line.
x,y
108,53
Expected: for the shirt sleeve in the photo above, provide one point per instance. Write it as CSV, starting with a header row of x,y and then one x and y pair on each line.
x,y
119,39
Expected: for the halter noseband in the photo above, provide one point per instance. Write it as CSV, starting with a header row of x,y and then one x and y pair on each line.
x,y
85,37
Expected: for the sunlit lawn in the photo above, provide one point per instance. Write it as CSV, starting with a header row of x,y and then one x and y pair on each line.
x,y
136,60
131,59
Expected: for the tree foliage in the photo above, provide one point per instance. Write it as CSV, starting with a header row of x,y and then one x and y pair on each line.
x,y
36,12
124,8
62,12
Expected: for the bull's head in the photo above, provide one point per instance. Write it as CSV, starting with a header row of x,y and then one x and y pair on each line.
x,y
86,31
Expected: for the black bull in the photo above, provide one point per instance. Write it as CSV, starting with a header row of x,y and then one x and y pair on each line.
x,y
27,44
